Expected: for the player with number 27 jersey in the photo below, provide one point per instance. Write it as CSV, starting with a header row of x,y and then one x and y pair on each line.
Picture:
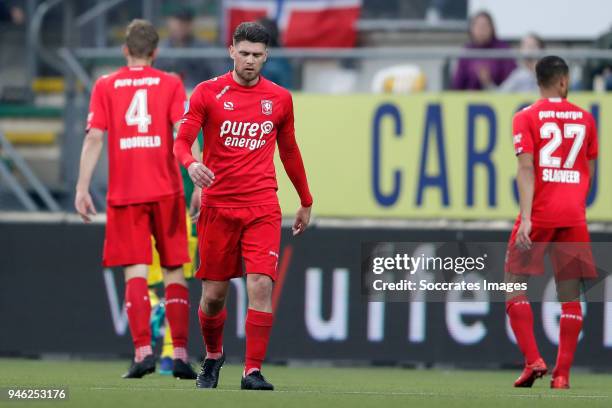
x,y
562,138
555,143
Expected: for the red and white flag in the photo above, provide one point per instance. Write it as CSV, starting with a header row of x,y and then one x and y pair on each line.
x,y
302,23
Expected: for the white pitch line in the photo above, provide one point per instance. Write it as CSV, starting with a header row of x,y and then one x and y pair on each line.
x,y
378,393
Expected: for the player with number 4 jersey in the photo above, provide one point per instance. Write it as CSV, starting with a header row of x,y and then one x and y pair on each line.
x,y
138,106
556,145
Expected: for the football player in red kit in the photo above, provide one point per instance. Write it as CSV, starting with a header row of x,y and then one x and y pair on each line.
x,y
556,145
243,116
139,106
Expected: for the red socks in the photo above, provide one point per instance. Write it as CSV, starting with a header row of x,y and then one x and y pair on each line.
x,y
212,332
521,320
570,325
177,313
258,327
138,308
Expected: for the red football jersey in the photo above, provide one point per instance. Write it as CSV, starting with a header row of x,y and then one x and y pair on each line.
x,y
241,126
138,106
562,138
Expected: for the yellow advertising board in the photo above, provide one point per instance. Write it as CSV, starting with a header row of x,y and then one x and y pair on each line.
x,y
424,156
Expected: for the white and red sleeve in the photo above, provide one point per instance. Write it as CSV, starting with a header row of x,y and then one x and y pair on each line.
x,y
521,134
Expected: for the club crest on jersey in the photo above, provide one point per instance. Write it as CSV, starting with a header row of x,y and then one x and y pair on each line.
x,y
266,106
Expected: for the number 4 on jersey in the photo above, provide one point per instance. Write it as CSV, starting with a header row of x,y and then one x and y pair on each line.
x,y
137,113
550,130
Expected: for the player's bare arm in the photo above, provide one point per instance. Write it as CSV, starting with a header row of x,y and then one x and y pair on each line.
x,y
525,179
92,147
592,164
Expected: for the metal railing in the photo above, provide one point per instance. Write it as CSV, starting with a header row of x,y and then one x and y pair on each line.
x,y
365,53
9,152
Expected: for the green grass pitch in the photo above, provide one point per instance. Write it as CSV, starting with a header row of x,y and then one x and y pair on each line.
x,y
98,384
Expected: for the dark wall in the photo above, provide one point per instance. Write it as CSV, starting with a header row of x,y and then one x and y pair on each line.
x,y
56,297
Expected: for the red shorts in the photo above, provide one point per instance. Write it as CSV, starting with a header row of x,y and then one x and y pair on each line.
x,y
569,249
129,229
228,235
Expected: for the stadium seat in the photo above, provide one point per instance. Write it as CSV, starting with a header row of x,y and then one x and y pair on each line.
x,y
407,78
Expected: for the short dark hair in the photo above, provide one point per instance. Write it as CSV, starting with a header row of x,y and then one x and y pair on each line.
x,y
141,38
549,69
253,32
272,29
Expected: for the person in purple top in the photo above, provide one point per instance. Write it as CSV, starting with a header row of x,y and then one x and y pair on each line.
x,y
482,73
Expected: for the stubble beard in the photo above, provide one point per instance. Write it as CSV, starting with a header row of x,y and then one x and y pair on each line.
x,y
248,76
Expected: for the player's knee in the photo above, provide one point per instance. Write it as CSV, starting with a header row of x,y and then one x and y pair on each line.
x,y
174,275
135,271
568,290
260,289
212,301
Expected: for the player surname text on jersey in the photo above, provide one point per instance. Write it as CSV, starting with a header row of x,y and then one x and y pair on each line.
x,y
146,81
561,176
139,141
551,114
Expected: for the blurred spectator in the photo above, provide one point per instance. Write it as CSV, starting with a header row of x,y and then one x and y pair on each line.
x,y
523,78
597,73
181,35
11,14
276,69
482,73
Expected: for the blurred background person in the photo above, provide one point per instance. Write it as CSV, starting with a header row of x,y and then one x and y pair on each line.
x,y
482,73
523,78
11,14
276,69
181,34
597,73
